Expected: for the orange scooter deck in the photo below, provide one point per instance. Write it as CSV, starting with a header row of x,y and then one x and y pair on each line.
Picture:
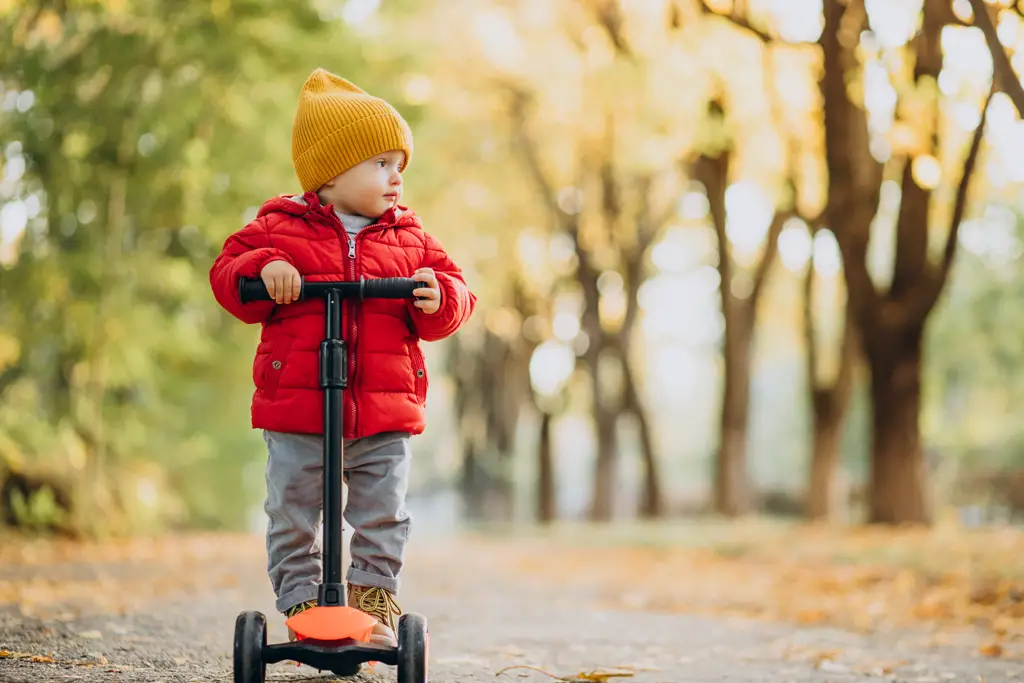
x,y
332,623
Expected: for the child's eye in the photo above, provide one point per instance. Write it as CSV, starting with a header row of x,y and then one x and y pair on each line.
x,y
382,163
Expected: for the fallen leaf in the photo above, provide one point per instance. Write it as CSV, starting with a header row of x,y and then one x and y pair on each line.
x,y
5,654
985,595
92,635
599,676
820,658
991,650
41,659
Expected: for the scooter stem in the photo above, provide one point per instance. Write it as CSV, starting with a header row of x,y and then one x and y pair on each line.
x,y
333,381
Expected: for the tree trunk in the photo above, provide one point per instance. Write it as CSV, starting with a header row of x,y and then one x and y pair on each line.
x,y
546,503
604,412
602,507
732,489
471,484
898,490
829,404
824,497
652,504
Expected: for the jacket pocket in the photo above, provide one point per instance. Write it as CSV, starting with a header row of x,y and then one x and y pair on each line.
x,y
271,362
419,371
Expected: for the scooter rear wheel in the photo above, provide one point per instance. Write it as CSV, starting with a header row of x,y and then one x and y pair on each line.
x,y
250,639
413,648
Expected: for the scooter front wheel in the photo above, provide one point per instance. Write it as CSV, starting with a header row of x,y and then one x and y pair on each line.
x,y
250,639
413,648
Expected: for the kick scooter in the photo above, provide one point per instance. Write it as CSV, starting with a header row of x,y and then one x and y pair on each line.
x,y
332,636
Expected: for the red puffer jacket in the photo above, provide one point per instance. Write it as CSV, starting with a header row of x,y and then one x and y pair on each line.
x,y
387,372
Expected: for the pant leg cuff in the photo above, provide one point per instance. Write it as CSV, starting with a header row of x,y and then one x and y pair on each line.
x,y
362,578
296,596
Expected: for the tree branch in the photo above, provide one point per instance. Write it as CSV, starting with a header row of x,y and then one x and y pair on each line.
x,y
911,257
609,16
1007,79
713,173
528,147
854,176
740,21
768,256
960,204
932,286
611,199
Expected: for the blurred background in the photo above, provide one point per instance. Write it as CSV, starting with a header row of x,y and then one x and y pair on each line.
x,y
733,258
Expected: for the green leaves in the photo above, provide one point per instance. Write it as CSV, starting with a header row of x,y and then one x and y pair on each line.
x,y
106,296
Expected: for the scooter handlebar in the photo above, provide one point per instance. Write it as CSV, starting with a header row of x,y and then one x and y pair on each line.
x,y
254,289
389,288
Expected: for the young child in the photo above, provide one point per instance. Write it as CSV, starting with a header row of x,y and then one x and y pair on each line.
x,y
349,150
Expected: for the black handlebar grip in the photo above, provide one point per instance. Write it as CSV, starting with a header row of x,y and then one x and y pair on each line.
x,y
389,288
252,289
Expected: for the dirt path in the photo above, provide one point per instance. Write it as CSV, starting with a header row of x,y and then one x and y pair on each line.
x,y
164,611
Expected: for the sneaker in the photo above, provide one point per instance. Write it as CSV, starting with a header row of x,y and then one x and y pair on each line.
x,y
291,612
379,604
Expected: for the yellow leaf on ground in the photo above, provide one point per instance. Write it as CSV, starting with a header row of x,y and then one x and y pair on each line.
x,y
992,650
599,676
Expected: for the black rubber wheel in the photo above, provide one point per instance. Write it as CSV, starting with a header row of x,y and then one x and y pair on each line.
x,y
413,648
250,639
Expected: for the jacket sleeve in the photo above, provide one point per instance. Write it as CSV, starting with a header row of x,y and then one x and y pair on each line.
x,y
244,255
457,302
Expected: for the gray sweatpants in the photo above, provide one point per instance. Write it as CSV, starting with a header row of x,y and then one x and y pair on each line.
x,y
377,475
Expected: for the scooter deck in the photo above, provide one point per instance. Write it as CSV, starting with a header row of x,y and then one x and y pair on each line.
x,y
332,623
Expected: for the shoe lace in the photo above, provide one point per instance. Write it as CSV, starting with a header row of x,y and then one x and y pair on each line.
x,y
379,603
301,607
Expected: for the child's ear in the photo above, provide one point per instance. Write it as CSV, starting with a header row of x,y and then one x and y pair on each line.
x,y
331,182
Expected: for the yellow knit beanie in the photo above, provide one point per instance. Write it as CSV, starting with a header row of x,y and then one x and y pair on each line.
x,y
338,126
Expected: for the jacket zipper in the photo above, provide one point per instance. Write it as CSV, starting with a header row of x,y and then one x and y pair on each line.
x,y
352,275
353,326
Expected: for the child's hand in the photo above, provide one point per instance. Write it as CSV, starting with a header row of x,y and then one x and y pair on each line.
x,y
431,294
284,284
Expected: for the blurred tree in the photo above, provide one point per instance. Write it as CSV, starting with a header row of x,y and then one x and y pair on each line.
x,y
631,214
489,365
891,323
138,141
732,491
600,197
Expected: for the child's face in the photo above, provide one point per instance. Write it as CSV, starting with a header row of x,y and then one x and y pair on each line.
x,y
369,189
